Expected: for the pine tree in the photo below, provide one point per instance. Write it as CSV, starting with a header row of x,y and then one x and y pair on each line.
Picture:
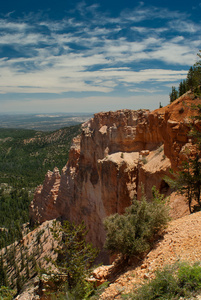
x,y
19,282
195,130
173,94
188,180
194,77
27,270
182,88
3,273
22,259
192,82
190,78
75,257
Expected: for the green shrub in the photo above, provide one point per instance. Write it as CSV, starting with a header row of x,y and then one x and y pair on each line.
x,y
6,293
133,232
98,291
163,286
144,160
173,282
189,277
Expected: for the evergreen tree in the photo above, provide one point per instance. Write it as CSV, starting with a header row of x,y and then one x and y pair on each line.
x,y
194,77
192,82
195,130
190,79
3,273
182,88
27,270
188,180
75,257
22,260
173,94
19,281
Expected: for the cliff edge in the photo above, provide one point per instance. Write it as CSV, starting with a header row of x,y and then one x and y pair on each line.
x,y
115,154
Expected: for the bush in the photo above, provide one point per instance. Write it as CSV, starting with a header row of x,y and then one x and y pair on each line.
x,y
163,286
173,282
6,293
189,277
133,232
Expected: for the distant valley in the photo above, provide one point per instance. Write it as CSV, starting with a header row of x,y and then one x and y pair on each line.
x,y
25,157
42,122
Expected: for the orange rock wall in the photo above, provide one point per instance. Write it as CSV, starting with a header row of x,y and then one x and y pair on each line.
x,y
115,154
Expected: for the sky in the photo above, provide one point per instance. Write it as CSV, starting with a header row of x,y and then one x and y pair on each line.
x,y
91,56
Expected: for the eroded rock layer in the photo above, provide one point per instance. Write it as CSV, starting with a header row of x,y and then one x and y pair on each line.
x,y
115,154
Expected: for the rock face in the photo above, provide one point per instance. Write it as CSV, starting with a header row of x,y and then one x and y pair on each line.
x,y
115,154
46,196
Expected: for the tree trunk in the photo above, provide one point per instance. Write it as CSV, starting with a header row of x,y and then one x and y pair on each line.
x,y
189,205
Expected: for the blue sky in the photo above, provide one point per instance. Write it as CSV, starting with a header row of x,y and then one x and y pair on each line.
x,y
88,56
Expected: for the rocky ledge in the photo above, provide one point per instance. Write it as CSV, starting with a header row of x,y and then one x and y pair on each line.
x,y
116,153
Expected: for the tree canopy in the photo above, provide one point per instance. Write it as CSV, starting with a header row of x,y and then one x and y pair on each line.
x,y
192,81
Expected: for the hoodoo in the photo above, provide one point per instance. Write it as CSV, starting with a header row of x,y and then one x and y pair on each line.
x,y
115,154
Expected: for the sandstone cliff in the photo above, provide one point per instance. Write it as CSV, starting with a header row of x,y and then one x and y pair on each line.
x,y
115,154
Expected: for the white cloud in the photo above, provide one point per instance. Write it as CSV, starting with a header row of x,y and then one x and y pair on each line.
x,y
184,26
171,52
95,53
142,90
21,39
149,30
65,73
15,26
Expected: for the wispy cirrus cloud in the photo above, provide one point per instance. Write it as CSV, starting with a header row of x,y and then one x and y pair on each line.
x,y
184,26
96,52
13,26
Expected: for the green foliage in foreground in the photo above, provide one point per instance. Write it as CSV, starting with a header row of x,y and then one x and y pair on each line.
x,y
6,293
173,282
91,292
133,232
73,263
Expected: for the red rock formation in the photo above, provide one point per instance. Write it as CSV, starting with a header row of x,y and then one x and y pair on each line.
x,y
46,197
116,152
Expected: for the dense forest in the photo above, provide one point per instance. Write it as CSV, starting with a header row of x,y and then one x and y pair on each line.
x,y
25,157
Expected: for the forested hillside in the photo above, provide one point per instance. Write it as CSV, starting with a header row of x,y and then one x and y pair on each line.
x,y
25,157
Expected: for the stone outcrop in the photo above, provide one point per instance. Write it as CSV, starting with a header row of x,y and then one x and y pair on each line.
x,y
115,154
46,196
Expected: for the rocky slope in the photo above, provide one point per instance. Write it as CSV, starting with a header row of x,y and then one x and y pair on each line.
x,y
115,154
181,243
